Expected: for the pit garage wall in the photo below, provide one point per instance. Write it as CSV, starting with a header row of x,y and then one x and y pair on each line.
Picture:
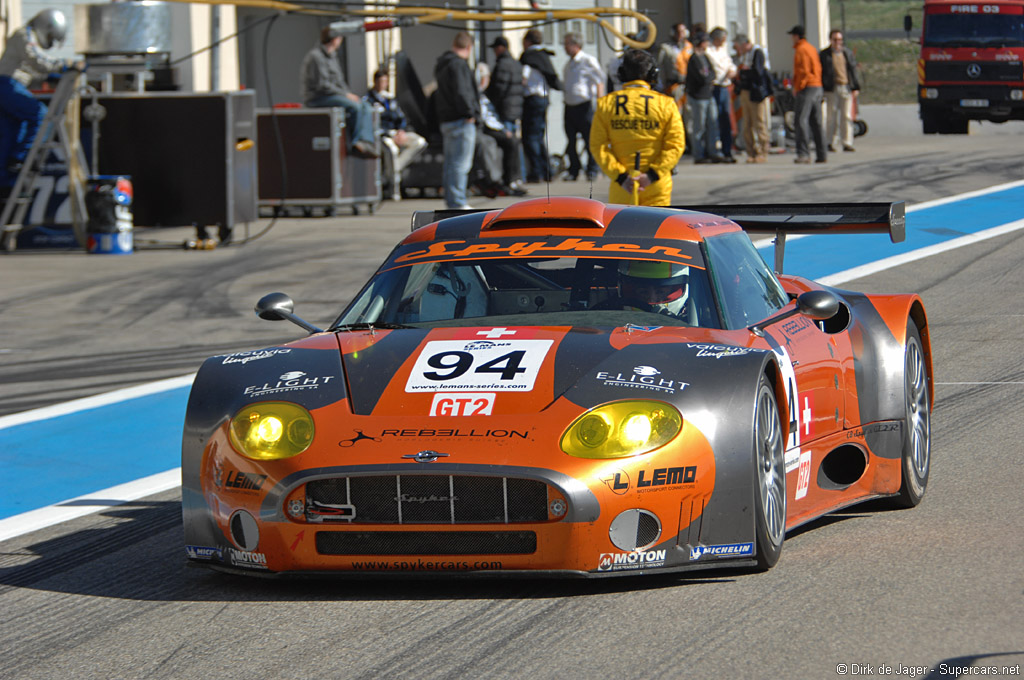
x,y
241,60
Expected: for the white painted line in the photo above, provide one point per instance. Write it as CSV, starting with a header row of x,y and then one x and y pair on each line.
x,y
95,401
768,241
34,520
963,197
919,254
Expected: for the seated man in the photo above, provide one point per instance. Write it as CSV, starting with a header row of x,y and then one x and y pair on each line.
x,y
393,127
659,287
496,158
323,86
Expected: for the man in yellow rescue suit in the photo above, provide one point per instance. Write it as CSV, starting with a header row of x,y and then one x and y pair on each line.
x,y
638,119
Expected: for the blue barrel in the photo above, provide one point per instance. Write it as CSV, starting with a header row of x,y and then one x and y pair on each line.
x,y
108,201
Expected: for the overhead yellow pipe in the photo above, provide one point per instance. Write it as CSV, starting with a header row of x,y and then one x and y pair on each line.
x,y
426,15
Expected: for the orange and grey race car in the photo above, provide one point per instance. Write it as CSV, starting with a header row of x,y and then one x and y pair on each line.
x,y
564,387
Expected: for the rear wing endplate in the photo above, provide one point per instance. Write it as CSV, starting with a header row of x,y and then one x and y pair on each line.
x,y
783,219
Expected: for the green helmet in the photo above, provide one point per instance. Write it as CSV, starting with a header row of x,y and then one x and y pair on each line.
x,y
660,285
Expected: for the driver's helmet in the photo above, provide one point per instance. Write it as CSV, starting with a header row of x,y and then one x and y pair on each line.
x,y
50,27
659,285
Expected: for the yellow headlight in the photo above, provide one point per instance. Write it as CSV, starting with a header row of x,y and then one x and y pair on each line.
x,y
272,430
622,429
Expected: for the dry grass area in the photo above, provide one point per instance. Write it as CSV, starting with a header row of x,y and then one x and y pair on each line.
x,y
888,67
888,71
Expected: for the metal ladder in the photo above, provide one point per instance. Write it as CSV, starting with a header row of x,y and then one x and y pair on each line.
x,y
53,134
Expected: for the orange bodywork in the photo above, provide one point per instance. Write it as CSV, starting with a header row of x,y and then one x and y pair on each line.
x,y
401,469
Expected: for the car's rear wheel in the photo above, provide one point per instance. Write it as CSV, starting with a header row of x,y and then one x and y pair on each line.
x,y
770,461
917,426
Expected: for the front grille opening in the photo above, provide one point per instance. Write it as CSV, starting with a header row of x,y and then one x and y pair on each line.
x,y
488,505
426,542
647,530
427,499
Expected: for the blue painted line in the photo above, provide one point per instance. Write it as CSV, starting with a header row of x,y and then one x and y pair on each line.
x,y
817,256
48,461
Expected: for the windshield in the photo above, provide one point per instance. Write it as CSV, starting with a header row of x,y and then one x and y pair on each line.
x,y
974,30
557,291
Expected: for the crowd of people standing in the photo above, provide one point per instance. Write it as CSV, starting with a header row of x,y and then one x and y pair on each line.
x,y
636,117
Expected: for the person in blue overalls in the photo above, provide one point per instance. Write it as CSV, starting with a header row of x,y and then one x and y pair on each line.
x,y
25,61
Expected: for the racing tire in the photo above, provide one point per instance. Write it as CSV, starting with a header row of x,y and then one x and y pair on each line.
x,y
770,477
860,128
917,426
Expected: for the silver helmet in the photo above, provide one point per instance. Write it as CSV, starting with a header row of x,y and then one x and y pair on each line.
x,y
50,27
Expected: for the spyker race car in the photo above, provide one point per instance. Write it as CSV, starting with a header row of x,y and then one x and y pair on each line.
x,y
564,387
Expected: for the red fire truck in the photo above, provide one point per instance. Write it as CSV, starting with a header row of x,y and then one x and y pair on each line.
x,y
971,65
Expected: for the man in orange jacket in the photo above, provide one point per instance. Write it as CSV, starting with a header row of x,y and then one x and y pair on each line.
x,y
808,92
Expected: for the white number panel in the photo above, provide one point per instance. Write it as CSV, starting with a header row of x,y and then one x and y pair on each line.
x,y
485,366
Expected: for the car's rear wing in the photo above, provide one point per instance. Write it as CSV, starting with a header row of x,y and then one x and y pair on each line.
x,y
783,219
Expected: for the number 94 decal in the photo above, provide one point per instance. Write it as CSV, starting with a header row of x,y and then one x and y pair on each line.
x,y
455,365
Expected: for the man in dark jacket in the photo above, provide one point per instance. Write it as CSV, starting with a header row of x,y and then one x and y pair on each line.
x,y
839,80
700,78
458,108
540,78
754,87
506,93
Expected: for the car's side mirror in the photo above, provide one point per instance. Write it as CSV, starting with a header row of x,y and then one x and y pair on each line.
x,y
817,304
814,304
278,307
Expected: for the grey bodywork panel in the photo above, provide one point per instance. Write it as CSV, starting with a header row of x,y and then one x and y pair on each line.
x,y
715,394
310,377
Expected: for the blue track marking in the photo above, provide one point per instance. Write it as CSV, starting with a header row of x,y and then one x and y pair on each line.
x,y
48,461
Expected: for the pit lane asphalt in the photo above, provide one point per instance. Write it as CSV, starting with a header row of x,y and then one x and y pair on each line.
x,y
108,596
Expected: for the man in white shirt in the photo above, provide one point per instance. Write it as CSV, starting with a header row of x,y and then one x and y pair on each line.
x,y
725,71
584,84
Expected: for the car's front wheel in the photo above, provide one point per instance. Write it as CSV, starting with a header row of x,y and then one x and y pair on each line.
x,y
917,425
770,461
